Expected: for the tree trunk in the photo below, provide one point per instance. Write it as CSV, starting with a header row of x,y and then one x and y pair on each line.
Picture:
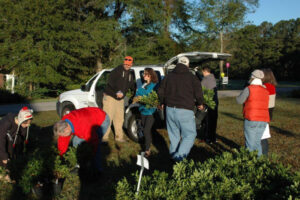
x,y
30,87
99,65
221,51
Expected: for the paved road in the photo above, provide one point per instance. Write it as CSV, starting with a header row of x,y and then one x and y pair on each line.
x,y
47,106
37,107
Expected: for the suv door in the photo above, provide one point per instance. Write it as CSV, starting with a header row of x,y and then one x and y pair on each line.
x,y
99,88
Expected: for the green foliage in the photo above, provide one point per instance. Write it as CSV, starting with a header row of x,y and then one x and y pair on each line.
x,y
129,94
31,174
208,96
238,175
70,157
151,100
44,165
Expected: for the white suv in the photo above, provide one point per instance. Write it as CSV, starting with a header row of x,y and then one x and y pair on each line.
x,y
90,94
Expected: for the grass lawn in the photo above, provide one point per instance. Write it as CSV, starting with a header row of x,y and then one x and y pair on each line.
x,y
120,159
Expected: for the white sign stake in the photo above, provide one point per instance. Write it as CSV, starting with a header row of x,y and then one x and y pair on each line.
x,y
144,163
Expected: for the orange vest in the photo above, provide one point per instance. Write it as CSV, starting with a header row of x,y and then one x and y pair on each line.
x,y
257,103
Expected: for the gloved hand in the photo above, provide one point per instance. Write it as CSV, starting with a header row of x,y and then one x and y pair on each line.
x,y
136,99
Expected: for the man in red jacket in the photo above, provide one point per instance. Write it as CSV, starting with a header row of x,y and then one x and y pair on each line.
x,y
85,125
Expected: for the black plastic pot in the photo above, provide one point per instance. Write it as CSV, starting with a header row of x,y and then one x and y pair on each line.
x,y
38,190
200,115
57,186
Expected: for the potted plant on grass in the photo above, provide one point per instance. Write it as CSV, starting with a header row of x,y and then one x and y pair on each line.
x,y
208,95
60,172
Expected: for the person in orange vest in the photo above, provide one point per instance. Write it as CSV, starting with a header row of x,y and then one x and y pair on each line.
x,y
255,98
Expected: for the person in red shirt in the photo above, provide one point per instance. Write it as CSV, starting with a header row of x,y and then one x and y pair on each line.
x,y
84,125
270,83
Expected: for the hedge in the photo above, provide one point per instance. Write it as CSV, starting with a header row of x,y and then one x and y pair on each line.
x,y
237,175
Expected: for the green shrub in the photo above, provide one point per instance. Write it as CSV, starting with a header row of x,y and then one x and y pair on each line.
x,y
208,96
73,86
44,164
151,100
238,175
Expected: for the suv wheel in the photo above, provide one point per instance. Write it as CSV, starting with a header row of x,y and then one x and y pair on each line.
x,y
134,126
67,107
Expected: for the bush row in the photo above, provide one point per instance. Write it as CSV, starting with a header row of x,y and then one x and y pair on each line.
x,y
238,175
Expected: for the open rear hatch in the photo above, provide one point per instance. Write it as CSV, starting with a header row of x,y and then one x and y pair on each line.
x,y
196,58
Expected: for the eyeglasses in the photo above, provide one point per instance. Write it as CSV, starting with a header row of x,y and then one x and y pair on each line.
x,y
127,59
146,74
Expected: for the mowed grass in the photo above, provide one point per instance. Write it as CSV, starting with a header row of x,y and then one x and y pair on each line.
x,y
120,158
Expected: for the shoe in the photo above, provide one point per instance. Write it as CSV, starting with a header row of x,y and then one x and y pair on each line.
x,y
211,142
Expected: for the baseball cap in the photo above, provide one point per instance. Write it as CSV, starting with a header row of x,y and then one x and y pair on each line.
x,y
128,60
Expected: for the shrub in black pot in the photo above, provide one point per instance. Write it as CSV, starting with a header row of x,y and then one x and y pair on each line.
x,y
57,186
38,190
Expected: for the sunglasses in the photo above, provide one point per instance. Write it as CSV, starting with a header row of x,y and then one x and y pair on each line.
x,y
127,59
146,74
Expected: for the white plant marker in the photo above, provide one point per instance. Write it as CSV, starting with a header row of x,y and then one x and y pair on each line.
x,y
144,163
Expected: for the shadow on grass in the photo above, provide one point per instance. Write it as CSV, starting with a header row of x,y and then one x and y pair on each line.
x,y
277,129
104,187
228,142
232,116
284,132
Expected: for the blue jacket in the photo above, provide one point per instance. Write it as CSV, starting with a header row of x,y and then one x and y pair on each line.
x,y
145,90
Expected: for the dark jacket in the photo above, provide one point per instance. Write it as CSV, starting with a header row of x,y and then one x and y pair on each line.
x,y
181,89
120,80
8,125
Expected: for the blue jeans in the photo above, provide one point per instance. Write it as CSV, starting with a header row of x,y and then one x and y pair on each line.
x,y
100,132
181,130
253,131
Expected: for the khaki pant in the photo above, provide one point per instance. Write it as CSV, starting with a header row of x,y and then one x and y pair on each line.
x,y
115,110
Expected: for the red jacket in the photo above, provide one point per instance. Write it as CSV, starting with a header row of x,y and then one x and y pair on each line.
x,y
85,122
256,105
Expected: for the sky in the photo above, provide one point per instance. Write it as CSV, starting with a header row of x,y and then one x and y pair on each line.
x,y
274,11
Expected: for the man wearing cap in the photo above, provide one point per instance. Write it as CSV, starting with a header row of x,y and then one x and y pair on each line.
x,y
121,79
178,92
255,98
14,130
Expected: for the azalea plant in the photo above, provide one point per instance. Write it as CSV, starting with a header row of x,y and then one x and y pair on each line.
x,y
150,100
208,95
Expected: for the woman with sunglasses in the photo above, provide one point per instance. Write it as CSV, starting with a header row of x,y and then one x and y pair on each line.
x,y
150,79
